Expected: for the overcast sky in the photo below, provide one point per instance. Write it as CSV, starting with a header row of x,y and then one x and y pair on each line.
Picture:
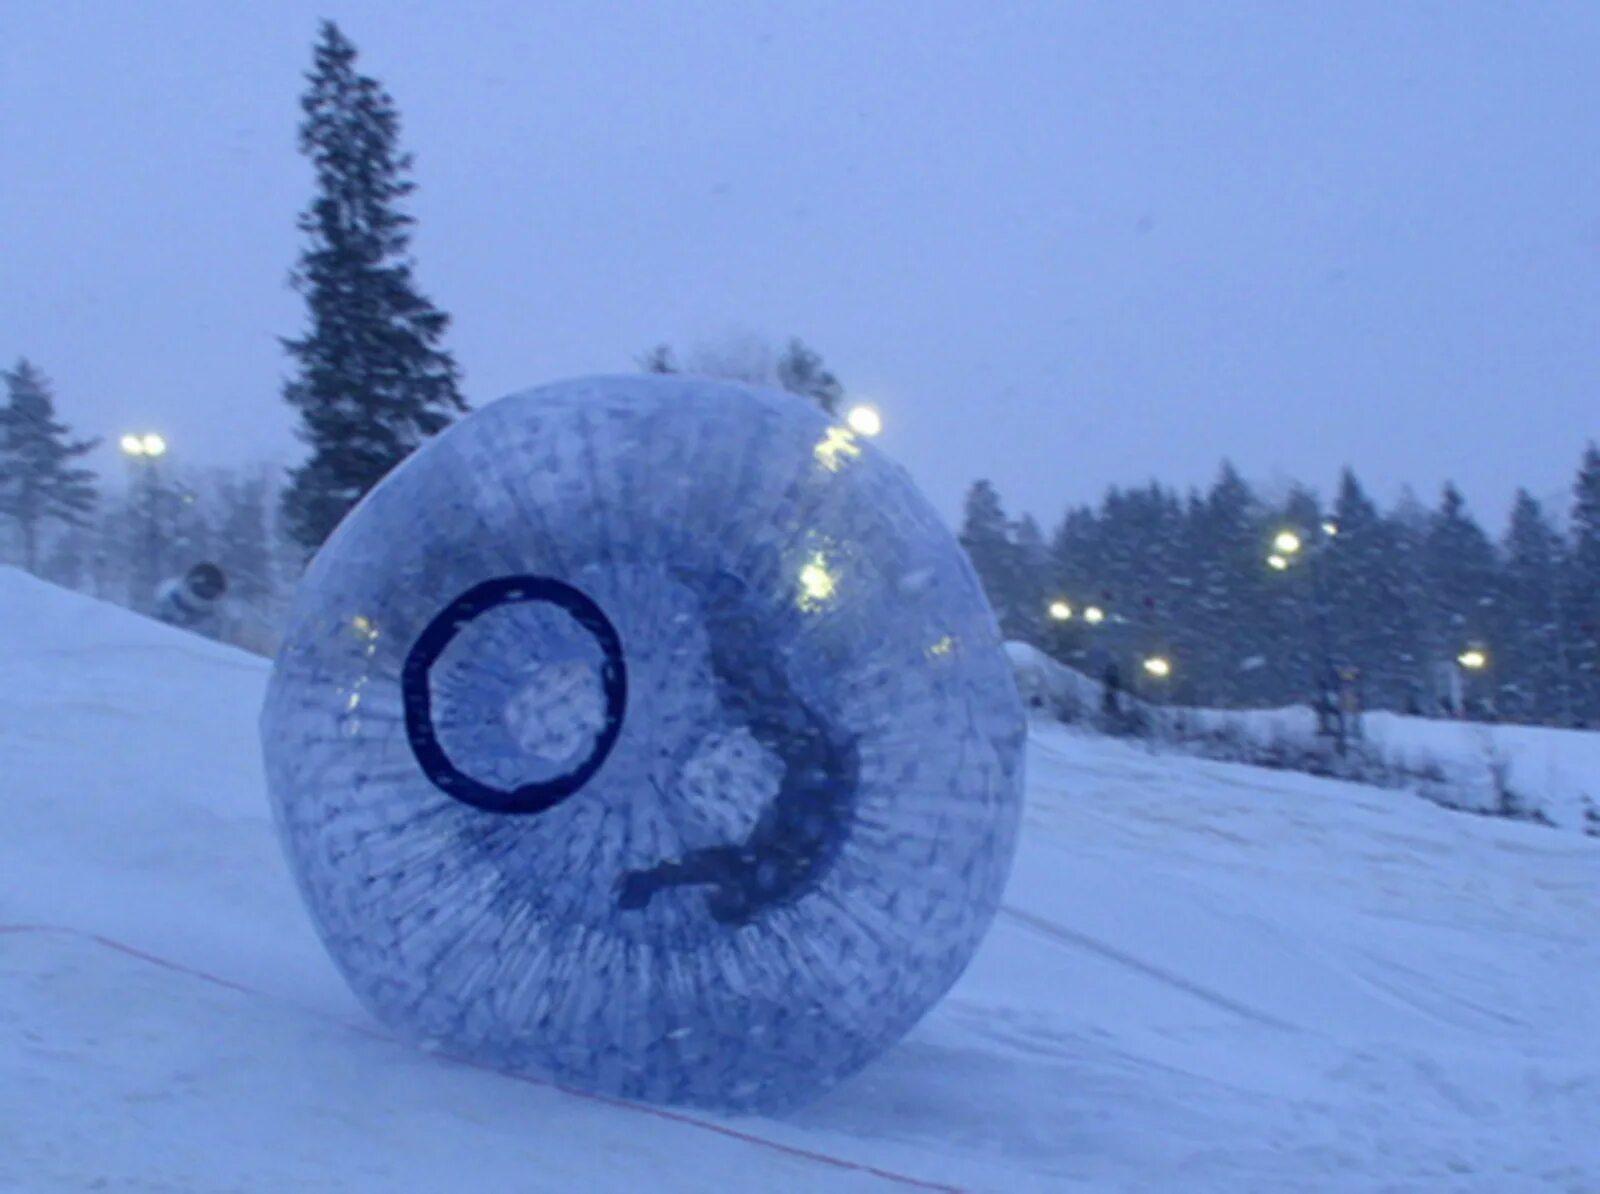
x,y
1063,245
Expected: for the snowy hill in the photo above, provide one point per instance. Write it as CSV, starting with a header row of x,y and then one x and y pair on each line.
x,y
1543,773
1207,978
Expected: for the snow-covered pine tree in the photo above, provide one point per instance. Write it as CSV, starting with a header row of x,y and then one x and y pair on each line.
x,y
1533,670
986,536
372,381
659,359
800,371
39,481
1583,585
1230,594
1371,595
749,358
1032,570
1461,571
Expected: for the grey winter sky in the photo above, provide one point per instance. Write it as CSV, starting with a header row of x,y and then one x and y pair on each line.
x,y
1061,244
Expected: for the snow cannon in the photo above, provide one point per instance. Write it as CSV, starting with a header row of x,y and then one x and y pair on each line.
x,y
190,599
651,735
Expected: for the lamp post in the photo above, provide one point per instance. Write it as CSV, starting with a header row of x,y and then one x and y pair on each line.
x,y
1475,660
1289,546
1159,669
144,452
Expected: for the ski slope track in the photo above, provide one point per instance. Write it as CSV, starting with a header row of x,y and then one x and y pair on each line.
x,y
1206,978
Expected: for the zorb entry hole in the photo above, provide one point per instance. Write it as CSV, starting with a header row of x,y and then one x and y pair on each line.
x,y
558,712
515,693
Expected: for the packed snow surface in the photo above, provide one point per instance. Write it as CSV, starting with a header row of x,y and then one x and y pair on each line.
x,y
1206,978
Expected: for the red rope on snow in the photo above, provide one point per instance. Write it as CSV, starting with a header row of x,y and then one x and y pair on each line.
x,y
678,1117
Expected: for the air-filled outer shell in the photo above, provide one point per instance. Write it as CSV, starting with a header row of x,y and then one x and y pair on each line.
x,y
652,734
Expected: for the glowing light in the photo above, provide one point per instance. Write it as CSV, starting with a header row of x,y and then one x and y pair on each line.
x,y
865,420
148,444
1330,528
837,446
1473,659
1277,563
1158,666
817,584
1060,611
1094,615
1286,543
944,646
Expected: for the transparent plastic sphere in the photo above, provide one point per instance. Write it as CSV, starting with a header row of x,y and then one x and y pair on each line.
x,y
652,734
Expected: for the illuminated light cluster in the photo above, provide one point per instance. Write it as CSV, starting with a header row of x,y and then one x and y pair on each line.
x,y
817,584
149,444
837,446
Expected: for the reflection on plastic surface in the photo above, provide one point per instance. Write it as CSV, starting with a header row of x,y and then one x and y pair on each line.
x,y
637,733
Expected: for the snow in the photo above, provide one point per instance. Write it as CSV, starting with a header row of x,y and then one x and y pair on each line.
x,y
1553,771
1207,977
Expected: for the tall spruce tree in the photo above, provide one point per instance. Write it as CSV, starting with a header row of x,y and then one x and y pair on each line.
x,y
800,371
39,482
372,381
1032,574
1583,584
1533,668
986,536
1230,591
1461,575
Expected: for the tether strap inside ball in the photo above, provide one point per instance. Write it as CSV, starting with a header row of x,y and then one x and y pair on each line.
x,y
417,693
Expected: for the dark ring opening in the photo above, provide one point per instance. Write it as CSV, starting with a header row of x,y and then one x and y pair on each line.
x,y
418,698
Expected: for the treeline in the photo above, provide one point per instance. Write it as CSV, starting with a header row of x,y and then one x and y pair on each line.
x,y
369,382
121,542
1419,608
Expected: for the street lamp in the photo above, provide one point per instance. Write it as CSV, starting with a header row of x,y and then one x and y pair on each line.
x,y
1474,659
1158,666
864,420
1288,548
1060,611
144,450
146,446
1094,615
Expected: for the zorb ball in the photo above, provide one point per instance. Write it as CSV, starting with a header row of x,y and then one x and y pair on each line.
x,y
650,734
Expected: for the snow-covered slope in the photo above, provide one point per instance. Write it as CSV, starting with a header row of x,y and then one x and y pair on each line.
x,y
1207,978
1474,766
